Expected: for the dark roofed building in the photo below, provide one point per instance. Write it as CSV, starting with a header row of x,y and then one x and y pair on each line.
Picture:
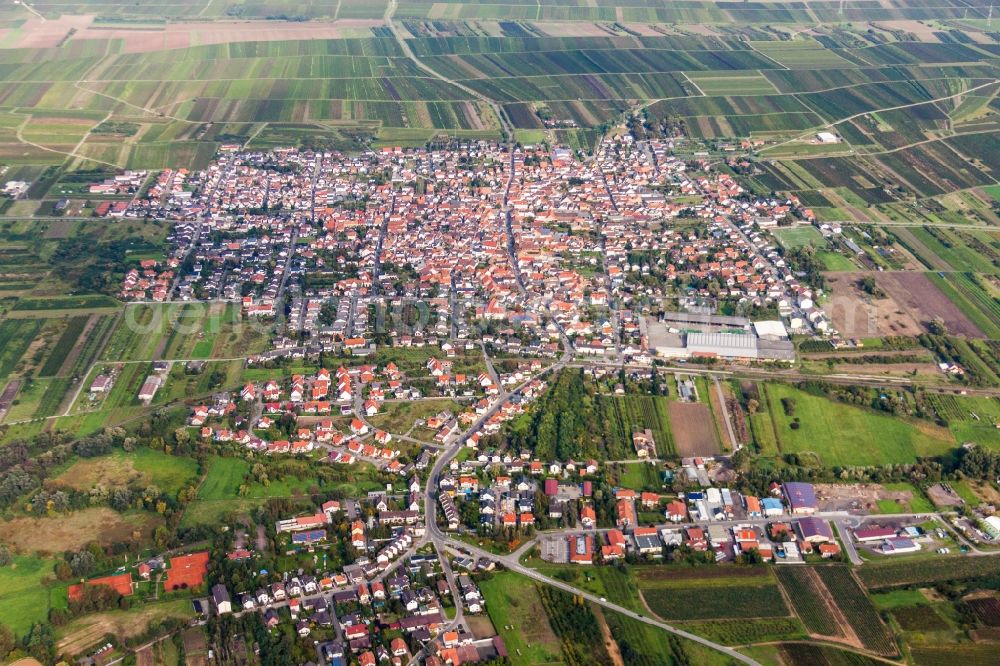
x,y
814,530
801,497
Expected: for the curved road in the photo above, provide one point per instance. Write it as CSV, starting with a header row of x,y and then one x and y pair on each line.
x,y
511,562
440,540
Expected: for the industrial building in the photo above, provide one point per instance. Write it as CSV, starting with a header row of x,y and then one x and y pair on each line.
x,y
686,335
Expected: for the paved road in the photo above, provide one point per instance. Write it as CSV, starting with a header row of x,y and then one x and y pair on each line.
x,y
441,541
511,562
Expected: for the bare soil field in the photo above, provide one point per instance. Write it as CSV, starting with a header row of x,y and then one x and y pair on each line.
x,y
694,429
942,497
609,642
924,301
38,33
144,657
481,626
72,531
89,630
7,397
182,35
857,496
856,315
924,31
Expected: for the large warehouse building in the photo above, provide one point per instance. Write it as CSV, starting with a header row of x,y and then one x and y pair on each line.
x,y
684,335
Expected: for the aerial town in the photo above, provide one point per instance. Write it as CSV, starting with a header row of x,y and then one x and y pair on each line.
x,y
382,333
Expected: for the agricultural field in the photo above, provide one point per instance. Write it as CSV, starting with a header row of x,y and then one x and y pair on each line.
x,y
841,434
810,599
635,413
918,296
694,429
973,294
852,600
729,594
16,336
970,418
974,654
336,64
890,574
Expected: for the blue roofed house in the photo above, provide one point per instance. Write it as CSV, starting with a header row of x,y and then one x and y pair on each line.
x,y
801,497
772,506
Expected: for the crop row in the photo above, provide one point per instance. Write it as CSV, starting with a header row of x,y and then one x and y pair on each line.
x,y
899,573
735,601
15,337
852,600
62,348
801,586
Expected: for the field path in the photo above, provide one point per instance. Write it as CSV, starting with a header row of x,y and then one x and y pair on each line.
x,y
722,411
20,137
846,633
609,640
937,263
74,353
33,11
899,107
505,126
97,358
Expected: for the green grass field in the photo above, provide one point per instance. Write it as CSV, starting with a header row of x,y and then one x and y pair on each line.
x,y
917,504
399,417
841,434
516,611
146,466
834,261
23,599
223,478
898,599
792,237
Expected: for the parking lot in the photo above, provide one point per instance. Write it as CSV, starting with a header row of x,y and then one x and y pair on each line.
x,y
554,549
